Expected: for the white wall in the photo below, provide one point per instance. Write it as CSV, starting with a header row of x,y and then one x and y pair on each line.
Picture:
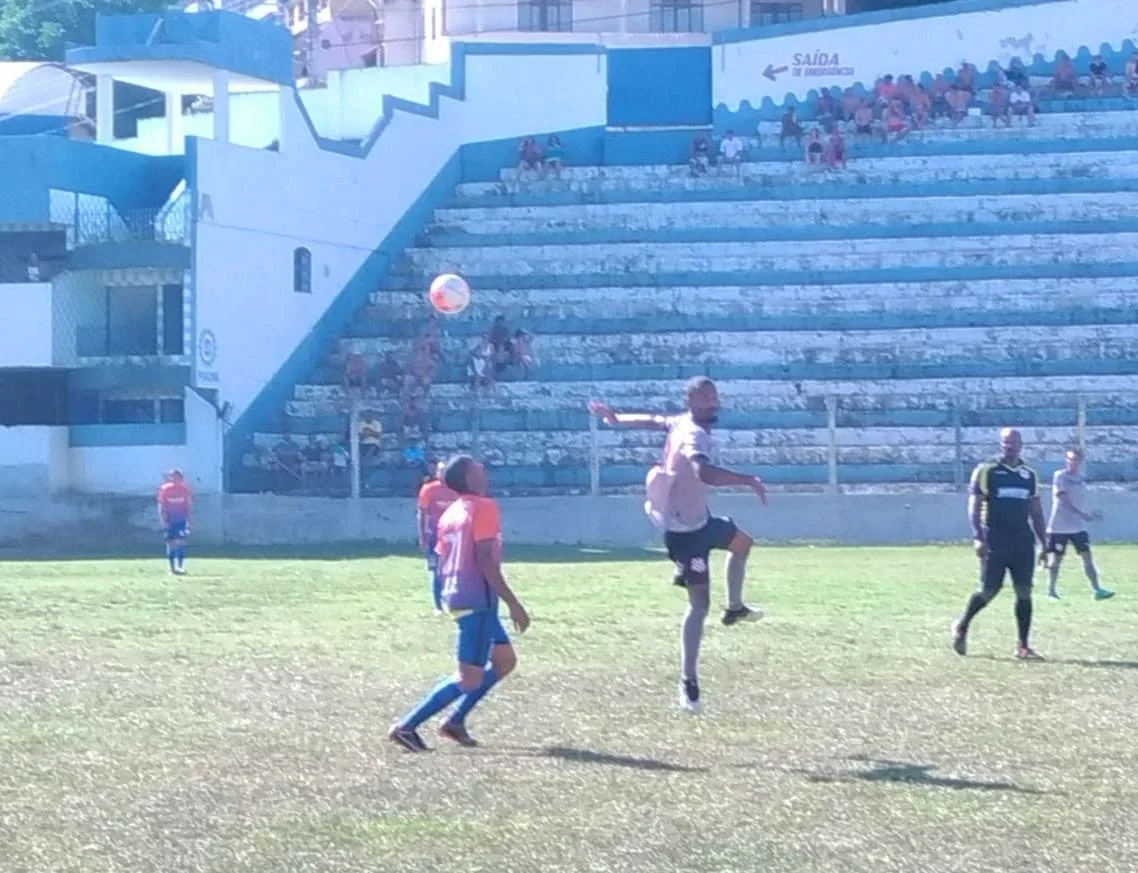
x,y
25,325
925,44
204,438
33,461
124,469
341,208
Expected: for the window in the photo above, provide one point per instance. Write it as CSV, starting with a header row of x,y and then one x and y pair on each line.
x,y
765,12
132,321
173,315
302,271
676,16
33,397
546,15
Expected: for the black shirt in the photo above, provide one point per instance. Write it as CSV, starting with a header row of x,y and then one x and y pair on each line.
x,y
1006,492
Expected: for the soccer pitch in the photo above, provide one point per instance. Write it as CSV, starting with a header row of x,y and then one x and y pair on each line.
x,y
235,720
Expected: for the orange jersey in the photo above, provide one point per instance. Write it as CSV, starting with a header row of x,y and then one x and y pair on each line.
x,y
174,499
469,520
434,498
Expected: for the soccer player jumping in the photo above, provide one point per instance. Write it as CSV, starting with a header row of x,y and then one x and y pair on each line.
x,y
677,502
470,563
1004,510
1068,524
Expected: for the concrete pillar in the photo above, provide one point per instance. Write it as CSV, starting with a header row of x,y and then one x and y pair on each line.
x,y
221,105
174,124
622,23
104,109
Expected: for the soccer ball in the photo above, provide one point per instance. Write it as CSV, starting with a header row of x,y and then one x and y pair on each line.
x,y
449,294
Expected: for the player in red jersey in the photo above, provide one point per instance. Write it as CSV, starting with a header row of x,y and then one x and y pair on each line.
x,y
434,498
174,501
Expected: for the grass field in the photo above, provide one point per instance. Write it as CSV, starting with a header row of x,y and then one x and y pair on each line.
x,y
235,720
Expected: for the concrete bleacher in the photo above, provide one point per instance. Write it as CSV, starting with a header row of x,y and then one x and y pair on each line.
x,y
885,318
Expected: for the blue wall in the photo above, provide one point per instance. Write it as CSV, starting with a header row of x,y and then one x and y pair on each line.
x,y
34,165
659,87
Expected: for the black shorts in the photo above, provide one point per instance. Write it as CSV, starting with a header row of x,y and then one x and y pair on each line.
x,y
1018,561
690,550
1057,543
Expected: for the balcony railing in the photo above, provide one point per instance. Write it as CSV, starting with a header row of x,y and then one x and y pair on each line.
x,y
91,220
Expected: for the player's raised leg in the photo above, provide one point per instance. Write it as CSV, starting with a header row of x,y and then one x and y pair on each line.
x,y
735,572
503,659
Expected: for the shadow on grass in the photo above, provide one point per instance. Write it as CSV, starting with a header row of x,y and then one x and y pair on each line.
x,y
605,759
1108,665
905,772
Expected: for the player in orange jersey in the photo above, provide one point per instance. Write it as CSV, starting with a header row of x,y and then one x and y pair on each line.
x,y
470,563
174,501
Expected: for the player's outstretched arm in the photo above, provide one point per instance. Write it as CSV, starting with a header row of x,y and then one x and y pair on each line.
x,y
720,477
1038,522
489,565
628,420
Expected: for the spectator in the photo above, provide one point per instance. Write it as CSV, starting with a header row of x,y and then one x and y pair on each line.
x,y
370,432
836,149
815,150
530,157
885,91
555,156
825,109
791,129
415,458
998,105
957,99
478,368
851,102
1130,75
1100,76
315,462
893,124
523,352
1016,74
341,461
501,346
1021,104
922,107
430,338
863,121
939,94
415,416
731,149
906,91
355,374
966,78
1065,79
287,457
700,157
390,374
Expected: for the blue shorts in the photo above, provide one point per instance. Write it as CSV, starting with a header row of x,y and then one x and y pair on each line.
x,y
478,632
176,530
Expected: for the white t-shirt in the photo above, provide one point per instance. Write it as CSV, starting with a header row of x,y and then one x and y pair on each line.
x,y
1020,97
731,148
1064,520
676,496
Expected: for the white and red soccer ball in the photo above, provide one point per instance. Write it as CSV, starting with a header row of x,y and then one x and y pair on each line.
x,y
449,294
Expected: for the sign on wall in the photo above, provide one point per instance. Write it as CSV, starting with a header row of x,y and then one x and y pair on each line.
x,y
207,357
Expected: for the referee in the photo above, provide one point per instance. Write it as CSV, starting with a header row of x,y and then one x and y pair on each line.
x,y
1007,519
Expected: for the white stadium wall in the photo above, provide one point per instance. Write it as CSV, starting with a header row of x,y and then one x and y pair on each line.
x,y
255,208
844,56
34,461
25,328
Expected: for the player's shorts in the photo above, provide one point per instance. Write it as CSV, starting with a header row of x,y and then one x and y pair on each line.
x,y
691,550
478,632
1057,543
1017,561
431,555
176,530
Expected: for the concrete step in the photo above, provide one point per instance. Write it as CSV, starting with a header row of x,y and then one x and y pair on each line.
x,y
708,259
1063,163
469,225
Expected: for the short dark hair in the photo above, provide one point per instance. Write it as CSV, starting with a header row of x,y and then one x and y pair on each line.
x,y
455,472
1077,452
696,384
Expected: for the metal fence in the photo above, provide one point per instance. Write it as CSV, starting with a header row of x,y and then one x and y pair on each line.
x,y
91,220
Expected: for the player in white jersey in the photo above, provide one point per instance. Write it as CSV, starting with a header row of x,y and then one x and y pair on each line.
x,y
1068,525
677,502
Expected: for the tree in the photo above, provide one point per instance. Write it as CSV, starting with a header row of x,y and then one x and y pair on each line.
x,y
35,30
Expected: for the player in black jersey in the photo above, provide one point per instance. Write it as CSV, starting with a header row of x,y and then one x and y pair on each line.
x,y
1007,520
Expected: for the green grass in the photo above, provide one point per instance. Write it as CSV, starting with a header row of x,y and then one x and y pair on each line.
x,y
235,720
